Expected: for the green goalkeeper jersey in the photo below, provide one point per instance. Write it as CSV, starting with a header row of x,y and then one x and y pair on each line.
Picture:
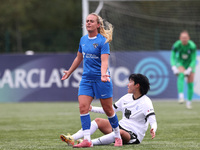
x,y
184,55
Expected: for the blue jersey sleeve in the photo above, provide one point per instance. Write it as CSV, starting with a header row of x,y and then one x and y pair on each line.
x,y
105,49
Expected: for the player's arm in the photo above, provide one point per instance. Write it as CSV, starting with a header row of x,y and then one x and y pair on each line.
x,y
74,65
116,107
105,52
148,111
104,68
99,109
173,55
152,121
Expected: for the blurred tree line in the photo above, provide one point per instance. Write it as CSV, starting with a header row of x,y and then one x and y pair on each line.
x,y
40,25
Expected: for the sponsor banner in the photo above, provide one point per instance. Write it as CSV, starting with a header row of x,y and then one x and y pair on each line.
x,y
37,77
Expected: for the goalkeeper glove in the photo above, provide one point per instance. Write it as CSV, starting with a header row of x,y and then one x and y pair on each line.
x,y
188,71
175,70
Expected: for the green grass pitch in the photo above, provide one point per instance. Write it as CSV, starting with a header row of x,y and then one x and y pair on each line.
x,y
37,126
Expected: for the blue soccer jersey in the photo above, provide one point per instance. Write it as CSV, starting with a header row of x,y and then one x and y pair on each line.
x,y
92,49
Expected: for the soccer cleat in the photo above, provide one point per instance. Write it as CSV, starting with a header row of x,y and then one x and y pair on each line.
x,y
79,141
181,101
118,142
68,139
85,143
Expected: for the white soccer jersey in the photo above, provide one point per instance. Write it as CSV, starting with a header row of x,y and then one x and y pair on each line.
x,y
135,114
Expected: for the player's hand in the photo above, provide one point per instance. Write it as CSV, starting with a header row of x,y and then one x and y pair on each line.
x,y
188,71
66,75
175,70
105,78
90,108
153,134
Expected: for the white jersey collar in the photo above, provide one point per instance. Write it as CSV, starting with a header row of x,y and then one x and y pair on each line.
x,y
91,38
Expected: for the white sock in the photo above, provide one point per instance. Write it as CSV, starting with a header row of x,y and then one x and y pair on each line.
x,y
117,132
79,134
181,96
104,140
86,134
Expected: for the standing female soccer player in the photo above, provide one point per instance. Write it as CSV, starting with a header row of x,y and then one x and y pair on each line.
x,y
183,61
94,51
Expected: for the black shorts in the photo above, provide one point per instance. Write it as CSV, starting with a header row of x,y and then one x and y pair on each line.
x,y
133,139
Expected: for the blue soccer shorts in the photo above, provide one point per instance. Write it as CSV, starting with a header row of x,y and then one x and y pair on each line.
x,y
96,88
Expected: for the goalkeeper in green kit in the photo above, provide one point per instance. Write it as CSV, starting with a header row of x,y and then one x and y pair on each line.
x,y
183,61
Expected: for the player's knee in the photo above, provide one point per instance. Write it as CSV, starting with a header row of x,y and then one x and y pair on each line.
x,y
108,109
109,112
102,124
122,133
98,121
83,108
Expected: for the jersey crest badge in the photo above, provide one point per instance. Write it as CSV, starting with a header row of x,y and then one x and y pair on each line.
x,y
127,113
95,45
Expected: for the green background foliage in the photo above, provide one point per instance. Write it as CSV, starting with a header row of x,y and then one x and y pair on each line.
x,y
40,25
